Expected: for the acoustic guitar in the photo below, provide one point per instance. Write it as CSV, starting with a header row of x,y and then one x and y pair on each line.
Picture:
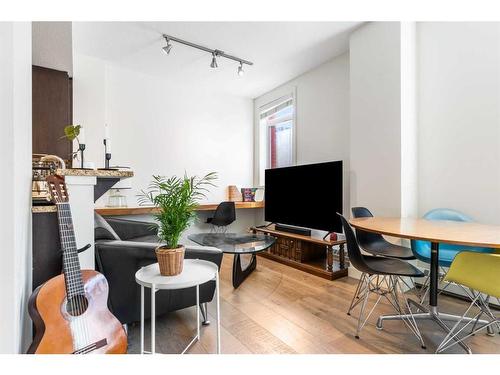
x,y
70,311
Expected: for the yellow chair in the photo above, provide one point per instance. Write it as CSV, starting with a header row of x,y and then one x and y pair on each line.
x,y
480,273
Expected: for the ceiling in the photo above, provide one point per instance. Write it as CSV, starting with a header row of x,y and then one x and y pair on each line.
x,y
280,51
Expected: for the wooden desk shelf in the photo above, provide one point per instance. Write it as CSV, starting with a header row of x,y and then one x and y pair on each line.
x,y
119,211
306,253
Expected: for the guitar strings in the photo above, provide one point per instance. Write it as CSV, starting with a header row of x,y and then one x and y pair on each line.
x,y
77,302
69,262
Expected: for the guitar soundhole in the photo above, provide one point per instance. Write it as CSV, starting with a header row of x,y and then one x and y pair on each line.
x,y
77,305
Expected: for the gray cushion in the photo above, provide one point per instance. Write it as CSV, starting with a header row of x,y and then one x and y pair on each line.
x,y
103,231
151,239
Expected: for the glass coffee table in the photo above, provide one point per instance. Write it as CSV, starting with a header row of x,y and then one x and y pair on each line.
x,y
241,245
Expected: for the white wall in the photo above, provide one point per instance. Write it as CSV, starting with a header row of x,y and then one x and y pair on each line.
x,y
375,107
160,129
459,118
15,164
89,106
183,129
322,115
425,118
52,45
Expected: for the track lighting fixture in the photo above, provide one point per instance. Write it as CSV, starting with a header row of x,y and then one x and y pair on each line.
x,y
214,52
240,69
214,61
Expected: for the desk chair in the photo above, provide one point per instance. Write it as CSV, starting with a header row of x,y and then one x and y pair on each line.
x,y
480,273
375,244
447,252
391,271
224,215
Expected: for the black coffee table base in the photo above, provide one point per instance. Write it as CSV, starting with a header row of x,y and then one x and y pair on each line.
x,y
238,244
240,274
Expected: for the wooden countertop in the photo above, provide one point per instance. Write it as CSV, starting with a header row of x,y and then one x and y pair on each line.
x,y
120,211
103,173
43,209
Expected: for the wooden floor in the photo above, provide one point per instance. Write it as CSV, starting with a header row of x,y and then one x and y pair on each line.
x,y
282,310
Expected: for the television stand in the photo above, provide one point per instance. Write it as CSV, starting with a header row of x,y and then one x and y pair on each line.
x,y
311,254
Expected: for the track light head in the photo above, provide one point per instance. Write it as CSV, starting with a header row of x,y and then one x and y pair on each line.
x,y
167,48
214,61
240,69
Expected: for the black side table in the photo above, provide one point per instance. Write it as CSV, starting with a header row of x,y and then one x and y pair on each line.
x,y
237,244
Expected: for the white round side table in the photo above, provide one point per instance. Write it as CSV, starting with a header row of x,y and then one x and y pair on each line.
x,y
194,273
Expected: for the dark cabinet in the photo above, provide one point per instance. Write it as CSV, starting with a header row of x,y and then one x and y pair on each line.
x,y
47,256
307,253
52,110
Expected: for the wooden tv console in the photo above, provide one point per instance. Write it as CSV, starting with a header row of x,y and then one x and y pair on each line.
x,y
307,253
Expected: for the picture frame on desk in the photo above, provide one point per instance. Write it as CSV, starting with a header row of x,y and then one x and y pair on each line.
x,y
248,194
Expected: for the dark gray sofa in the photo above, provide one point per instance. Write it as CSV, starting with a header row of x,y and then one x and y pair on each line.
x,y
124,246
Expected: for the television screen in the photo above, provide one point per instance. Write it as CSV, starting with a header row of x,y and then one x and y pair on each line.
x,y
306,196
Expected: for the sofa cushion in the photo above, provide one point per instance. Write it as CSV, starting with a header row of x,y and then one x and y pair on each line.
x,y
151,238
103,231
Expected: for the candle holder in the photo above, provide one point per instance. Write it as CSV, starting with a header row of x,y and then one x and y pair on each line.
x,y
106,163
81,147
107,155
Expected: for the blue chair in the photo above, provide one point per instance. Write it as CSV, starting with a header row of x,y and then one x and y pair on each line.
x,y
447,252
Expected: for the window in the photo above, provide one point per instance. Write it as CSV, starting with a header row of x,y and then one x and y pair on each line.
x,y
276,127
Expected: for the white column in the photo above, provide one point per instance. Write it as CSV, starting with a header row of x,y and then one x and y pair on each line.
x,y
383,138
15,189
375,101
409,125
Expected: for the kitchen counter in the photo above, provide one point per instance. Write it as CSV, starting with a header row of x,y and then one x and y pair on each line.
x,y
107,178
99,173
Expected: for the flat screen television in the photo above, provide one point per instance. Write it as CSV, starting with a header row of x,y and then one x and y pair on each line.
x,y
306,196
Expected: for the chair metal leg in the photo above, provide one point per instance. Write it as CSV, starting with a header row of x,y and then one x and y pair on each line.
x,y
393,295
450,317
365,300
393,292
411,322
432,314
370,284
424,289
375,284
355,297
490,313
453,334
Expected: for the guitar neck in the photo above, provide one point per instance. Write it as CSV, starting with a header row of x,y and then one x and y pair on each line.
x,y
71,263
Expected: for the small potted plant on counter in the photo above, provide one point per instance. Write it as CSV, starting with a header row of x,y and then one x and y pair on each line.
x,y
177,199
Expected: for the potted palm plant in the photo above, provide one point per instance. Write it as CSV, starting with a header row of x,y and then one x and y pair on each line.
x,y
177,199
